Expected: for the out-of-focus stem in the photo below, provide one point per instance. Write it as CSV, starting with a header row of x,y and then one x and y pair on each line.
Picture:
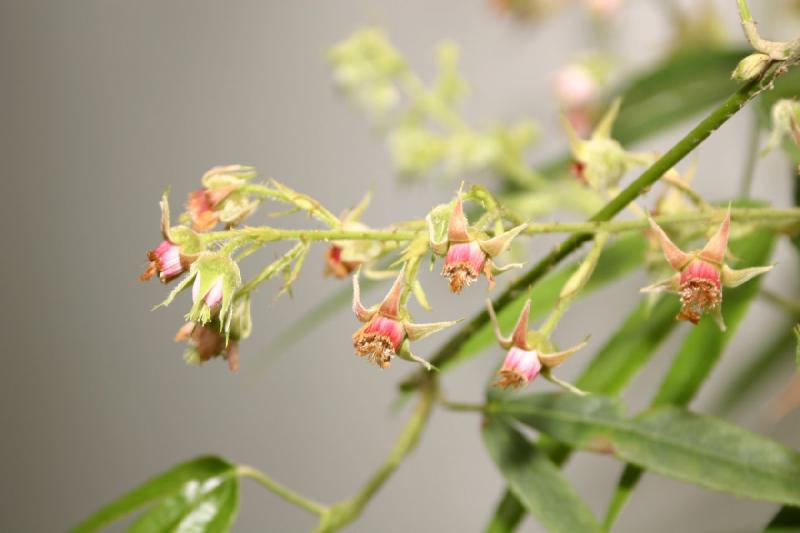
x,y
282,491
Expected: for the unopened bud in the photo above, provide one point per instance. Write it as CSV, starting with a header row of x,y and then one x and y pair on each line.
x,y
751,67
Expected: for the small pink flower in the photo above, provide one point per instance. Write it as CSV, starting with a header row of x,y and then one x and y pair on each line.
x,y
525,359
212,297
701,274
168,259
463,264
519,368
575,86
387,330
465,257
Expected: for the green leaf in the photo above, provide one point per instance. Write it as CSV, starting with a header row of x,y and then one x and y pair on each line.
x,y
757,369
508,515
536,481
668,440
200,507
786,521
166,485
631,347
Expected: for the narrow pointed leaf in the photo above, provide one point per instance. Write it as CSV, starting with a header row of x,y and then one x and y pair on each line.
x,y
209,507
164,485
671,441
536,481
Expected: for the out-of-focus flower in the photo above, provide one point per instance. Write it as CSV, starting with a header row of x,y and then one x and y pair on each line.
x,y
529,353
575,85
388,329
343,257
175,254
364,67
600,160
785,123
701,274
528,10
603,8
465,256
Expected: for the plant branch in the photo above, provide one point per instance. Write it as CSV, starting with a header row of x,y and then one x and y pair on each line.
x,y
282,491
746,215
672,157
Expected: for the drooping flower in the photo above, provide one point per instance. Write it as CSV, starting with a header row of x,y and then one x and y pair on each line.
x,y
175,254
466,257
387,328
529,353
206,341
701,274
343,257
221,199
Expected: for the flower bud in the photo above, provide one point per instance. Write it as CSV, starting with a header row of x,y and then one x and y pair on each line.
x,y
216,279
751,67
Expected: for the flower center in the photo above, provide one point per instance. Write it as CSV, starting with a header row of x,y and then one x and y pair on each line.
x,y
698,295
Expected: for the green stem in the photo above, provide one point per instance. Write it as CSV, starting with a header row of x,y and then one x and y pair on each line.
x,y
748,215
344,513
752,158
684,147
282,491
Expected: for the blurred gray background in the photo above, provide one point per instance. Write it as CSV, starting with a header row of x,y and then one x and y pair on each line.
x,y
106,102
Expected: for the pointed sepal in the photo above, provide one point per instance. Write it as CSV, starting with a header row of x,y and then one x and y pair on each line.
x,y
500,243
734,278
676,257
390,306
362,313
416,332
671,284
552,360
457,226
404,352
714,250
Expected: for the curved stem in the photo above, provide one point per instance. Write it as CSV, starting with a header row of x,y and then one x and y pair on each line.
x,y
282,491
684,147
344,513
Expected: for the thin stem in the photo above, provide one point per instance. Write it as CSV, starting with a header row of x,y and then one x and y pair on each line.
x,y
752,158
683,148
282,491
344,513
748,215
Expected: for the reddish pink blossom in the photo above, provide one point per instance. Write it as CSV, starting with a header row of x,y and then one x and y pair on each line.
x,y
519,368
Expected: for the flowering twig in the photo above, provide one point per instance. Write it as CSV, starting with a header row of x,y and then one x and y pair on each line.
x,y
671,158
